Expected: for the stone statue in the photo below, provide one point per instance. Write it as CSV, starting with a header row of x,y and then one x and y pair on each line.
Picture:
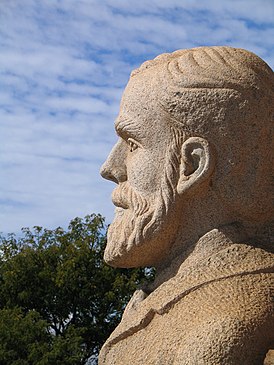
x,y
193,198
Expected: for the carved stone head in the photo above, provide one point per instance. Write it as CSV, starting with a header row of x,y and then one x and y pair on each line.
x,y
193,151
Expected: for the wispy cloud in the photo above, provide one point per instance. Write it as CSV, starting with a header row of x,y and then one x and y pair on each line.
x,y
63,68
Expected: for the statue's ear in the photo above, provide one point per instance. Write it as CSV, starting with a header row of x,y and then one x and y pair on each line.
x,y
197,164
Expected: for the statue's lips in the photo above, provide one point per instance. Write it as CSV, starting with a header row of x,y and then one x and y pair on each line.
x,y
118,199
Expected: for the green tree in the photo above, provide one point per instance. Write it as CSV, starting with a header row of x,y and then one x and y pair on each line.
x,y
58,300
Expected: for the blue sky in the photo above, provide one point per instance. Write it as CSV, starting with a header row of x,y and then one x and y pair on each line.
x,y
64,65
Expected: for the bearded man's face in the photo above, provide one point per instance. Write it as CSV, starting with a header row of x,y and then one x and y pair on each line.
x,y
145,165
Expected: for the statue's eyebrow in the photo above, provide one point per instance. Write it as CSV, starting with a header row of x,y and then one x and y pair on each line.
x,y
125,126
118,127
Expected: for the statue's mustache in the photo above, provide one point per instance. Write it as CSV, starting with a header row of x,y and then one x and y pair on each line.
x,y
120,196
125,197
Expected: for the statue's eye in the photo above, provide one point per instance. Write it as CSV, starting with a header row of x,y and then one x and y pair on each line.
x,y
132,145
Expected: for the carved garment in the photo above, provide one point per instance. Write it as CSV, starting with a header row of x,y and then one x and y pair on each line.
x,y
217,312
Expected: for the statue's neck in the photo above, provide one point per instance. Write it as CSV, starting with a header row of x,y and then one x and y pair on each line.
x,y
191,253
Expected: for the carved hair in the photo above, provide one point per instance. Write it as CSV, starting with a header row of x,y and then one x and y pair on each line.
x,y
227,67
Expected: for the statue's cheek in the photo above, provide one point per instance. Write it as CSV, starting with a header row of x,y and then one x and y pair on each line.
x,y
144,172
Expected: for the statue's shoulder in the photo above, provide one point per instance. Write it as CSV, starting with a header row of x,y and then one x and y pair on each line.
x,y
230,318
228,321
235,284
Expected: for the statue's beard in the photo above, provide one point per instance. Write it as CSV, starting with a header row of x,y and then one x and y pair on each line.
x,y
136,219
140,219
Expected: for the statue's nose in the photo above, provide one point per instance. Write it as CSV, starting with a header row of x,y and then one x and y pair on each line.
x,y
106,173
113,172
114,168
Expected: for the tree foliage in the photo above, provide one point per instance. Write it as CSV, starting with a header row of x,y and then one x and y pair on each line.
x,y
58,300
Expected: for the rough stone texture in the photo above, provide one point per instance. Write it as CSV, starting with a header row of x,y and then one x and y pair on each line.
x,y
193,172
269,360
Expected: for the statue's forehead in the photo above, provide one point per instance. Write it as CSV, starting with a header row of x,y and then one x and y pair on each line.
x,y
144,84
140,105
139,98
140,120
